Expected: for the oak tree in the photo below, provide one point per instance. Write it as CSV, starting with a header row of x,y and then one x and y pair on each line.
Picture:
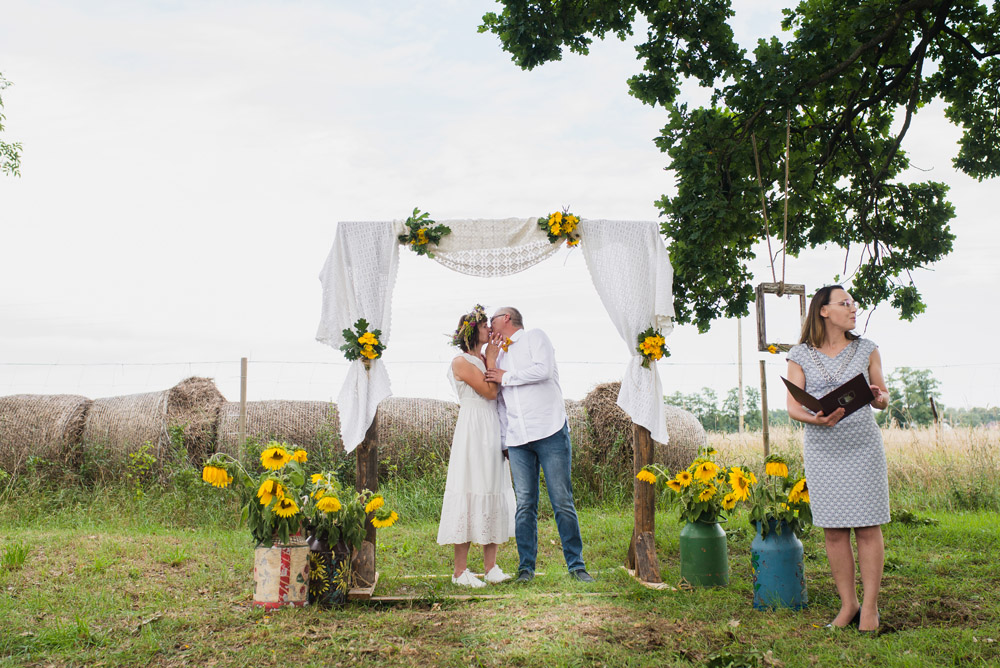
x,y
840,87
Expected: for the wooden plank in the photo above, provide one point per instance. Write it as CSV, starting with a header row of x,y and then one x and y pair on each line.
x,y
362,593
486,597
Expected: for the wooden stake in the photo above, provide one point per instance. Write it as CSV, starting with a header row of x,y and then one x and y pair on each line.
x,y
642,549
739,366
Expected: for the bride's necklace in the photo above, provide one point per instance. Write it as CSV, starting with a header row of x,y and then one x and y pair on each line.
x,y
834,378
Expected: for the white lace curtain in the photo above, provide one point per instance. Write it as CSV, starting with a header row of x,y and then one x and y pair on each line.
x,y
628,263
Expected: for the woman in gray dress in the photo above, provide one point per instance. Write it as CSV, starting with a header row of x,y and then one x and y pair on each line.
x,y
844,457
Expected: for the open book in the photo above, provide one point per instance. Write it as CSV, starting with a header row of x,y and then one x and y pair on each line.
x,y
850,396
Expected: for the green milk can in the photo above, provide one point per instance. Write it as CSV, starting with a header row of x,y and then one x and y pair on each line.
x,y
704,555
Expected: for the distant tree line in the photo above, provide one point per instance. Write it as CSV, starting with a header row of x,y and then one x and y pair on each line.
x,y
911,393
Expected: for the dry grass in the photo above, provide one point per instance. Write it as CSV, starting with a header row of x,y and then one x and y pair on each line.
x,y
956,468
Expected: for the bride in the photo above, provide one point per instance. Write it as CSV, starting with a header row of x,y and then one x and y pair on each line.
x,y
478,504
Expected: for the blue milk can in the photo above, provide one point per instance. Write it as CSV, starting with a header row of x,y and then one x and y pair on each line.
x,y
778,574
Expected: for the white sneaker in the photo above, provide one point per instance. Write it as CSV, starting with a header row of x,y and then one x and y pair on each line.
x,y
467,579
496,576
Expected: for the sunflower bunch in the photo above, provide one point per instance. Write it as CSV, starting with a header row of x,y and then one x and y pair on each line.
x,y
337,513
362,342
652,346
421,232
783,496
561,225
272,499
705,491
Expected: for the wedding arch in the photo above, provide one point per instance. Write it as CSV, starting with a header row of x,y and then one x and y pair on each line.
x,y
628,264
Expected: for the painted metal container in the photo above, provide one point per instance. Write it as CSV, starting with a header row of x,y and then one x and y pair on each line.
x,y
281,574
779,579
704,555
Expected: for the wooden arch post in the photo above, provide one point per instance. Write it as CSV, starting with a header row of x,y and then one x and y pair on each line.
x,y
366,477
642,549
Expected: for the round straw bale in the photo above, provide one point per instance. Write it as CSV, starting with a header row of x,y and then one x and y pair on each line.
x,y
116,426
311,425
415,434
611,426
47,426
586,450
193,404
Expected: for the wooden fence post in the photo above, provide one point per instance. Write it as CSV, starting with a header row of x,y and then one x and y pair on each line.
x,y
642,549
243,404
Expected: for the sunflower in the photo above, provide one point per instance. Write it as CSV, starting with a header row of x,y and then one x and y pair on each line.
x,y
776,466
799,492
328,504
675,485
741,487
383,520
729,501
216,475
706,470
270,489
316,477
684,478
275,457
647,476
707,493
300,456
286,507
376,503
319,493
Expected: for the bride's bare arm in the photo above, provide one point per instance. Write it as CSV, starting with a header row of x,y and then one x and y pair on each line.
x,y
468,372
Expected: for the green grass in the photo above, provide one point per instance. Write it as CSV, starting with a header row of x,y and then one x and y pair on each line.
x,y
112,580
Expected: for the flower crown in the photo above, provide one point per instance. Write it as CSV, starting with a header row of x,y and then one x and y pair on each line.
x,y
468,326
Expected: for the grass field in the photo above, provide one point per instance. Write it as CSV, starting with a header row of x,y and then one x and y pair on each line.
x,y
100,577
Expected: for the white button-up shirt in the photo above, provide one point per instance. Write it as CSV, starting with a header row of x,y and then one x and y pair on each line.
x,y
531,402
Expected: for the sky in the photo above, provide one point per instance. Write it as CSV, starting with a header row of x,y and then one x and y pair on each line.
x,y
185,165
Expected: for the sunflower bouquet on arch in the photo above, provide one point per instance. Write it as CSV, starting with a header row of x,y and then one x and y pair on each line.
x,y
272,499
705,491
561,225
782,497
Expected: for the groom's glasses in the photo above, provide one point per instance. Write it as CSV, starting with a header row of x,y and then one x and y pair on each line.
x,y
498,315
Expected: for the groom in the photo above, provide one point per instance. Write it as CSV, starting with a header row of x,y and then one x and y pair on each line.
x,y
535,431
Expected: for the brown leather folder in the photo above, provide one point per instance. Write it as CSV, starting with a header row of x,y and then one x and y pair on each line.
x,y
850,396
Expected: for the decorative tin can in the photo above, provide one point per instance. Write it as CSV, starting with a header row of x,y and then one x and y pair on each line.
x,y
281,574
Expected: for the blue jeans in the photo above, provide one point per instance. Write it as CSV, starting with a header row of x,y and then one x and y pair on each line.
x,y
554,454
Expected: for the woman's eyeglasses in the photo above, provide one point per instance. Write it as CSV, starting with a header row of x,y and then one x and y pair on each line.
x,y
847,303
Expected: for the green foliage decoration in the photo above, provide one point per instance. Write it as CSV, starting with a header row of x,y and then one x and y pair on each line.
x,y
10,152
422,232
846,77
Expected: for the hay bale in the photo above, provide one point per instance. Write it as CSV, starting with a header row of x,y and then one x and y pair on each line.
x,y
611,426
415,434
40,425
116,426
311,425
586,447
194,404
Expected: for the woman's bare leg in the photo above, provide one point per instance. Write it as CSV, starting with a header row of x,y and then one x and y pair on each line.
x,y
461,558
841,558
489,556
871,561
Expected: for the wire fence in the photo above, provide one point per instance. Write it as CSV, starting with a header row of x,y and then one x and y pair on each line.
x,y
962,385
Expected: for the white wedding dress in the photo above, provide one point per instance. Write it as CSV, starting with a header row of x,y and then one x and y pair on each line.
x,y
478,504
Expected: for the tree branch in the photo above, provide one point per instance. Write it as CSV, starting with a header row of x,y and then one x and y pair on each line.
x,y
969,45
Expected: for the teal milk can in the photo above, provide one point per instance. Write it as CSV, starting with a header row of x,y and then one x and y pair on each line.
x,y
779,579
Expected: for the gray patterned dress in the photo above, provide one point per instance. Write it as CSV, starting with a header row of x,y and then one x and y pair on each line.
x,y
845,463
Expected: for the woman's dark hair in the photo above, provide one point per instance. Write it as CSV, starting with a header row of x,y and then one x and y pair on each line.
x,y
814,328
466,335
